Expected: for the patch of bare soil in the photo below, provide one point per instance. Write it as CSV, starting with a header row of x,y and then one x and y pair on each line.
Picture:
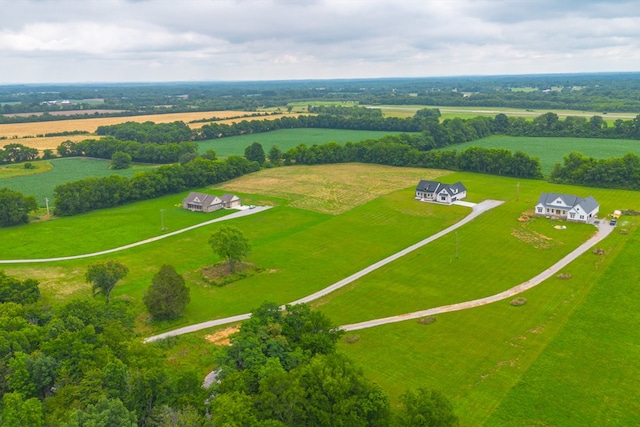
x,y
219,274
223,336
537,240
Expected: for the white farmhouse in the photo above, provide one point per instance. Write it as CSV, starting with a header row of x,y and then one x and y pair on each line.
x,y
434,191
567,206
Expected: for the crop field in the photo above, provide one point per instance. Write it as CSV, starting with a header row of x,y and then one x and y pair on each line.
x,y
25,133
553,150
470,112
498,364
286,139
41,181
331,189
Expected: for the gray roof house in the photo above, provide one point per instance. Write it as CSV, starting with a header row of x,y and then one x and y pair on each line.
x,y
201,202
230,201
434,191
567,206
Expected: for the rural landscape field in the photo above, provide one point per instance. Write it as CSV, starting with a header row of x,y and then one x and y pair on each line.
x,y
562,353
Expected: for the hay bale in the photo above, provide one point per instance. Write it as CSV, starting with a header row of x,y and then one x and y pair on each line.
x,y
426,320
564,276
352,339
517,302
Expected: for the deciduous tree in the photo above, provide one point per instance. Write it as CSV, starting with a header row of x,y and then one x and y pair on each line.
x,y
229,243
105,275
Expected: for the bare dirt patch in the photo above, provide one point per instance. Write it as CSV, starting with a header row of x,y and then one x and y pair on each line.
x,y
223,336
537,240
331,189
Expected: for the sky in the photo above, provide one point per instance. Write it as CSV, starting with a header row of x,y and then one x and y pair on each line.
x,y
80,41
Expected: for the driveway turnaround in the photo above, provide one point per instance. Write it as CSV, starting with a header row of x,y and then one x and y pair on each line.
x,y
477,210
234,215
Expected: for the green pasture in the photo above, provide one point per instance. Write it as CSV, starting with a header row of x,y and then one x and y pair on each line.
x,y
286,139
553,150
486,360
40,182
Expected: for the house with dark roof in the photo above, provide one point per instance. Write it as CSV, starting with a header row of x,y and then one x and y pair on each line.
x,y
434,191
230,201
567,206
201,202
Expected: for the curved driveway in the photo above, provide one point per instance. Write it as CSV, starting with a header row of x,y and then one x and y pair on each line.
x,y
603,231
477,210
238,214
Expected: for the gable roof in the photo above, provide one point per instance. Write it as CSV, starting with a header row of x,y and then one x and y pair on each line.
x,y
226,198
195,198
569,200
435,186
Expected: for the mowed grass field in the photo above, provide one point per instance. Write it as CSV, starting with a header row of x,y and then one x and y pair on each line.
x,y
553,150
485,360
286,139
47,174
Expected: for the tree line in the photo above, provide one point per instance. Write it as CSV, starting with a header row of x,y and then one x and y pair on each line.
x,y
96,193
618,172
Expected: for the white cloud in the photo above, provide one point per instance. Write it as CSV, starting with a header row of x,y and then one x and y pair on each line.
x,y
123,40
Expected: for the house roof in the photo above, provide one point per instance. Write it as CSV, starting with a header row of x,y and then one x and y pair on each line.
x,y
435,186
203,199
549,199
226,198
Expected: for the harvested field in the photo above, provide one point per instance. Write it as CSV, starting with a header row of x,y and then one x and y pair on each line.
x,y
91,124
331,189
25,133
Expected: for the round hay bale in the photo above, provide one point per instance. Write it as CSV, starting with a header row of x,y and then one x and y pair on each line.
x,y
564,276
352,339
517,302
426,320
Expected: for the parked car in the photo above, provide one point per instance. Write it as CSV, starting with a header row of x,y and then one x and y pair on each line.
x,y
613,222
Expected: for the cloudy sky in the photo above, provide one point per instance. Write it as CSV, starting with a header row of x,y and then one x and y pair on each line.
x,y
43,41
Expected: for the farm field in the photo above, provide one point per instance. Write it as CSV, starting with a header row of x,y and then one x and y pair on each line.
x,y
286,139
41,181
553,150
478,358
470,112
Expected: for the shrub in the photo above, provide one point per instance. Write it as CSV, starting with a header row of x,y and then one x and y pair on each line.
x,y
518,302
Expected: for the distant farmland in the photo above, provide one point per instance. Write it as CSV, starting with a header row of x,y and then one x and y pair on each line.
x,y
552,150
286,139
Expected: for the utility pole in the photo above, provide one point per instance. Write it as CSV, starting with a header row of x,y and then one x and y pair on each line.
x,y
46,201
518,191
162,219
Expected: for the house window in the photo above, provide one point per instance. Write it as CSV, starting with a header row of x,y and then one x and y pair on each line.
x,y
443,198
581,216
572,214
539,210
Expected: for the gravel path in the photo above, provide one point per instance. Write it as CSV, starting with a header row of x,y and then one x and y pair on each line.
x,y
234,215
477,210
603,231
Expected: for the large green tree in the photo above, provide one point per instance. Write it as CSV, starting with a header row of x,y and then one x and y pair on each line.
x,y
105,275
120,160
168,294
15,208
426,408
230,244
255,153
21,292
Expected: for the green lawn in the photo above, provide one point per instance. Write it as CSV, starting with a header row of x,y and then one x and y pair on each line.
x,y
499,364
50,173
553,150
286,139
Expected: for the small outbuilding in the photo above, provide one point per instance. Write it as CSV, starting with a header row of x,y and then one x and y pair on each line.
x,y
567,206
434,191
